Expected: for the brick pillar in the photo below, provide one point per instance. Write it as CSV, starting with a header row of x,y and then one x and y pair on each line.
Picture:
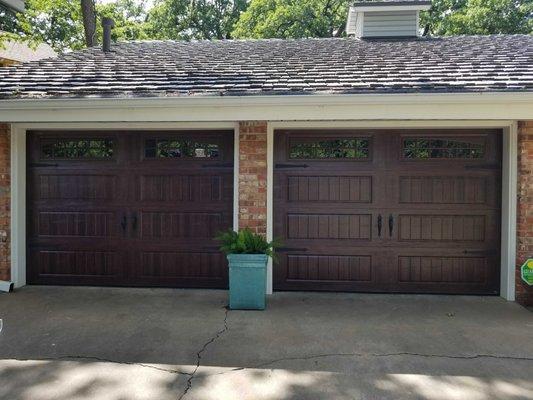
x,y
5,201
253,176
524,240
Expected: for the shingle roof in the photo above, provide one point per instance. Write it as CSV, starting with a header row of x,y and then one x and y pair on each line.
x,y
22,52
261,67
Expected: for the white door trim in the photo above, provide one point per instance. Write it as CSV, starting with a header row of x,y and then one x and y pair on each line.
x,y
509,178
18,175
18,206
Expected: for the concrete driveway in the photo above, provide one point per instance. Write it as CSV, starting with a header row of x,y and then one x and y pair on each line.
x,y
128,344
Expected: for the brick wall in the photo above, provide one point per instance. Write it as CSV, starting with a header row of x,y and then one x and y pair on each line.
x,y
524,293
5,187
253,176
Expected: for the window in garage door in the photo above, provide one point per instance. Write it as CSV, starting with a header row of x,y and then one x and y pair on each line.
x,y
137,208
388,211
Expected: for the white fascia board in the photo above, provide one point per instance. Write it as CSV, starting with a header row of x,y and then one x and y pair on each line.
x,y
419,7
17,5
492,106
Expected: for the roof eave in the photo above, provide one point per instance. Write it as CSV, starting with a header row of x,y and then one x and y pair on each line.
x,y
15,5
487,105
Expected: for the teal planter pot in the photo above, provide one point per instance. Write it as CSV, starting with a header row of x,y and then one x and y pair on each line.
x,y
247,281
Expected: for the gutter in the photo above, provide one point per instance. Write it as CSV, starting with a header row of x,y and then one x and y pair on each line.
x,y
266,100
480,105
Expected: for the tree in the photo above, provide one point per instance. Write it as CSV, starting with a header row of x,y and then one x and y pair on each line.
x,y
60,23
8,20
292,19
130,18
56,22
326,18
479,17
194,19
88,13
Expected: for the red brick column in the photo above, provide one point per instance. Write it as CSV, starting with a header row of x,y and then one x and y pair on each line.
x,y
524,240
5,201
253,176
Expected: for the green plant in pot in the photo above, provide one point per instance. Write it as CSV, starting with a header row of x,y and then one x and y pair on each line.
x,y
248,255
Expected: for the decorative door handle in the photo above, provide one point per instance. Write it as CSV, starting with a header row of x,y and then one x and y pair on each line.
x,y
391,224
124,222
134,221
380,224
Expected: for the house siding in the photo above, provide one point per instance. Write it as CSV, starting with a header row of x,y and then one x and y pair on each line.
x,y
5,202
253,176
386,24
524,240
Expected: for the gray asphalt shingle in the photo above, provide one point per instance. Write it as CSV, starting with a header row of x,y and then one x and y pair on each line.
x,y
269,67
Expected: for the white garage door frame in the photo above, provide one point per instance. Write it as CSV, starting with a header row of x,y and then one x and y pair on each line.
x,y
509,179
18,174
509,175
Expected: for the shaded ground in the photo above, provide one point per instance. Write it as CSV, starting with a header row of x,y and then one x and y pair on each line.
x,y
115,344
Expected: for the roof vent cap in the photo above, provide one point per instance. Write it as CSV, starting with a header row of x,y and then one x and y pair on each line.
x,y
107,25
385,18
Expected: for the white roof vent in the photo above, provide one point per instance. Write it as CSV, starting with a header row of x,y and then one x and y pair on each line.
x,y
385,18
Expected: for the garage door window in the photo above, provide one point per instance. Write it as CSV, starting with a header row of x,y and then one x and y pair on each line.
x,y
77,149
180,148
329,149
425,148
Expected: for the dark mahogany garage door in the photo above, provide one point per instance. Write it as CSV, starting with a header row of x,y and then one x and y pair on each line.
x,y
137,208
388,211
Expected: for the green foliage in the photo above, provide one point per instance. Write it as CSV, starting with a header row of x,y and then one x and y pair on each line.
x,y
246,242
130,18
292,19
326,18
479,17
59,22
8,20
196,19
56,22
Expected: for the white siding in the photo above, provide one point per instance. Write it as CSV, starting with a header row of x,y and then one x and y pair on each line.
x,y
390,23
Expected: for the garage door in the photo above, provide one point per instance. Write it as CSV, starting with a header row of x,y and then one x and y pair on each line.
x,y
119,208
388,211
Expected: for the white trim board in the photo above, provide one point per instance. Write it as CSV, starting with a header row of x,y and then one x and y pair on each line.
x,y
444,106
18,206
509,178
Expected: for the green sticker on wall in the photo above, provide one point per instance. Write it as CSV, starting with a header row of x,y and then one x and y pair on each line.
x,y
527,272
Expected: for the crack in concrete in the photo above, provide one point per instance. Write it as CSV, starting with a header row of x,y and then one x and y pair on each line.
x,y
377,355
101,359
204,348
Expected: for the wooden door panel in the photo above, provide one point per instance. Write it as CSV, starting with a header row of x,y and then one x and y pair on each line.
x,y
75,265
181,268
329,267
106,210
318,189
435,194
